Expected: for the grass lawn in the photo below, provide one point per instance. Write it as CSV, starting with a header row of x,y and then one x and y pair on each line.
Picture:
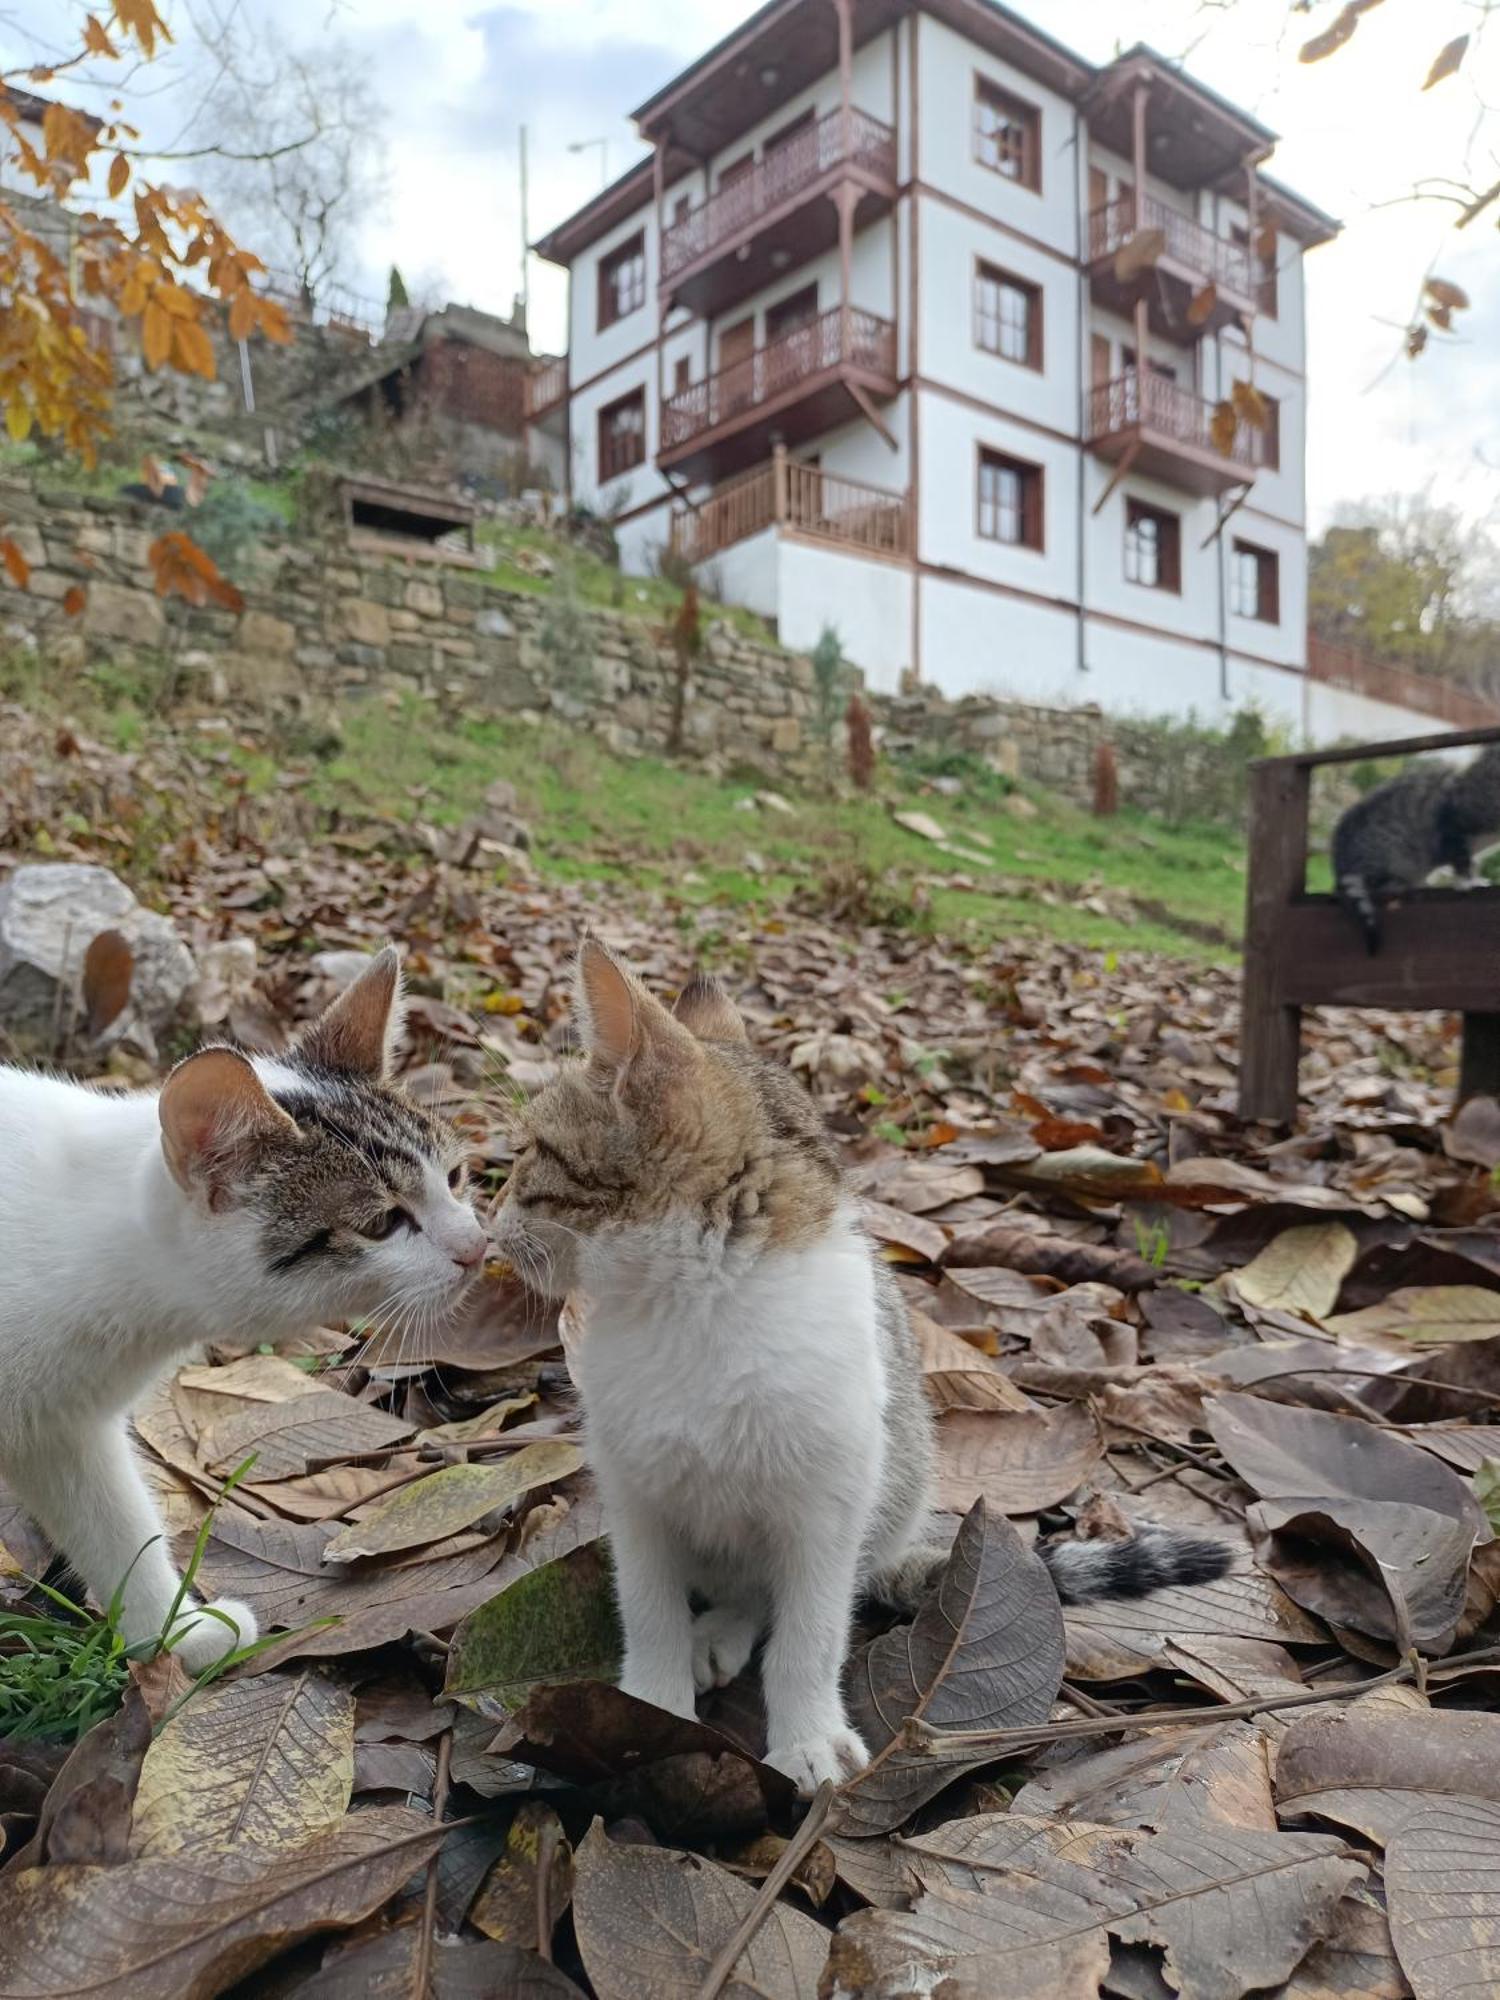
x,y
696,838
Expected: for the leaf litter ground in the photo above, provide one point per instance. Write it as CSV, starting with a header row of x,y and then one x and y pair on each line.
x,y
1129,1307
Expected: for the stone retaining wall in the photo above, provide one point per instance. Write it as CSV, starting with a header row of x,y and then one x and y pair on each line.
x,y
322,621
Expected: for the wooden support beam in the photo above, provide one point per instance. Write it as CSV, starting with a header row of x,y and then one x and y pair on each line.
x,y
1270,1025
1120,471
873,416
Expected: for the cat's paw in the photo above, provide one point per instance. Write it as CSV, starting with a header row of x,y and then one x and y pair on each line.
x,y
837,1756
199,1640
723,1639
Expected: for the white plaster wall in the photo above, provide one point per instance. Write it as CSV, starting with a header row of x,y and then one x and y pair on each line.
x,y
868,603
947,65
952,245
950,436
748,574
642,537
1286,641
858,451
975,642
1336,715
590,351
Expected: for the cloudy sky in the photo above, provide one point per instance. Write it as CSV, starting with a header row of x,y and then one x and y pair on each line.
x,y
459,78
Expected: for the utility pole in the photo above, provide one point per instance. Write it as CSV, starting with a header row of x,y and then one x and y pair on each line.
x,y
525,237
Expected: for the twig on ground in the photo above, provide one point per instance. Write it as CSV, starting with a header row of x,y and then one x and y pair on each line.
x,y
801,1843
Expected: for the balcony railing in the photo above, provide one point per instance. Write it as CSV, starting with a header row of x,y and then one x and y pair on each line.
x,y
801,498
1209,256
546,386
839,139
844,336
1336,667
1168,411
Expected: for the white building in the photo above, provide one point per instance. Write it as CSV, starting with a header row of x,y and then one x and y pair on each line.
x,y
915,323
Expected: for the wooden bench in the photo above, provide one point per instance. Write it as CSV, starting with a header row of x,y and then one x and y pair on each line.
x,y
1440,947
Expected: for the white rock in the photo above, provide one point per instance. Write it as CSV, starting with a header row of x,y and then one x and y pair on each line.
x,y
50,913
341,967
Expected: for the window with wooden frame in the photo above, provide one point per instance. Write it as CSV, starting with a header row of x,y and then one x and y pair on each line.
x,y
622,280
1153,547
682,208
1009,500
1270,436
622,434
1007,134
1255,583
682,374
1262,256
1007,315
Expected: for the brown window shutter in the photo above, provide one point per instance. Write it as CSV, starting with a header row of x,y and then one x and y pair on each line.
x,y
1171,552
1034,349
1031,508
1099,359
1270,587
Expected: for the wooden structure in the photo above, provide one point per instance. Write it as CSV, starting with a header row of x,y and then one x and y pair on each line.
x,y
795,499
1440,947
387,517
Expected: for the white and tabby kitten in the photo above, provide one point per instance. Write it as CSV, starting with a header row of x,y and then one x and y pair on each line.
x,y
753,1402
250,1197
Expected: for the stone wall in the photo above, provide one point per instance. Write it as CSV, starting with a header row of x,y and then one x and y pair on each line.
x,y
323,621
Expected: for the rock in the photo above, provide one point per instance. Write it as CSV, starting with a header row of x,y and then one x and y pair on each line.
x,y
947,787
492,623
366,622
50,913
922,824
115,612
226,973
774,802
341,968
260,632
1020,807
424,598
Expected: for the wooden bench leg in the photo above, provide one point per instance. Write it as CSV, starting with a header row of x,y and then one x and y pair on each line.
x,y
1479,1067
1270,1030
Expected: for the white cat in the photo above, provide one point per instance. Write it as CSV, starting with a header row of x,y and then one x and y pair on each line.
x,y
249,1198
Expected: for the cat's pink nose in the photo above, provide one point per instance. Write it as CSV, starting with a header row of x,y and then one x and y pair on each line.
x,y
473,1251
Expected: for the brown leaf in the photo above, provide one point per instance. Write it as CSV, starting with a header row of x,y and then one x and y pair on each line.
x,y
16,566
85,1819
1019,1462
188,1926
1442,1874
984,1652
1375,1506
1201,304
1474,1133
444,1503
1223,427
1425,1315
1141,252
1447,61
1050,1256
533,1873
108,968
1442,293
1110,1641
1301,1271
893,1225
1335,37
385,1967
293,1437
75,598
1020,1906
266,1761
957,1376
1375,1763
652,1920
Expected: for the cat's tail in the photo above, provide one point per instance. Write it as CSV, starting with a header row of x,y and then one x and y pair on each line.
x,y
1355,892
1150,1559
1082,1572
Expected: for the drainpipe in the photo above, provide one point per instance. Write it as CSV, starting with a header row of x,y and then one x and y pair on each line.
x,y
1081,180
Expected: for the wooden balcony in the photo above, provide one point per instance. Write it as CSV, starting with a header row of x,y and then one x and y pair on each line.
x,y
547,390
795,499
1144,423
1193,259
807,381
778,215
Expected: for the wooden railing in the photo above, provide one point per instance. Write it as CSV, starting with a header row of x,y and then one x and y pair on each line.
x,y
1169,410
546,386
1336,667
846,336
1211,256
803,499
838,139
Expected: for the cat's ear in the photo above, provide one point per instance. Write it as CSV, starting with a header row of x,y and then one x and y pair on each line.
x,y
357,1034
706,1010
214,1109
624,1031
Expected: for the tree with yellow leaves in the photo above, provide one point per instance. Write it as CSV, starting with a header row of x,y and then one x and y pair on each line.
x,y
158,257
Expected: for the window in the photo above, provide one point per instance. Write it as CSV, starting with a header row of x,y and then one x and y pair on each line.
x,y
1255,583
1008,316
1262,264
682,208
622,280
682,374
1153,547
787,315
1162,370
622,434
1007,135
1270,437
1010,500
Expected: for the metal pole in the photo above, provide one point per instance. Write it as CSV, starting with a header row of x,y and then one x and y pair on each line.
x,y
525,232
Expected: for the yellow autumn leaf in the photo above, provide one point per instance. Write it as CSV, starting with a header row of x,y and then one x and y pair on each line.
x,y
156,335
119,174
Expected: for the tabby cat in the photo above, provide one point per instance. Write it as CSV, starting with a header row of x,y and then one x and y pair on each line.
x,y
1427,817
